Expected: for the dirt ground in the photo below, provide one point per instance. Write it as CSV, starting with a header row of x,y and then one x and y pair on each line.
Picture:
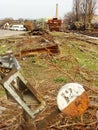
x,y
76,62
9,33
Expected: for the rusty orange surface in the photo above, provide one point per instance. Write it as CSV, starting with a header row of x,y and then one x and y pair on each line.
x,y
78,106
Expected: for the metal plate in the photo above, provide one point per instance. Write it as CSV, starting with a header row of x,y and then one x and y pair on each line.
x,y
72,99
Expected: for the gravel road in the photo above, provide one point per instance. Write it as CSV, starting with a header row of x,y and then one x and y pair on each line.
x,y
9,33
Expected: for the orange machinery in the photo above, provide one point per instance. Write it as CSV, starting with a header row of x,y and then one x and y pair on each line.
x,y
55,23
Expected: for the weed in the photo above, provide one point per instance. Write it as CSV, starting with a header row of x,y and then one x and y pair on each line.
x,y
2,93
60,80
53,60
96,83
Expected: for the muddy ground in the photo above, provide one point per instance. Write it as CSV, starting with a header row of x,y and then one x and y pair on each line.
x,y
76,62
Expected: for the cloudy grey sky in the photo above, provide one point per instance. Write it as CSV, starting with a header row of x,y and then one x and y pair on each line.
x,y
33,9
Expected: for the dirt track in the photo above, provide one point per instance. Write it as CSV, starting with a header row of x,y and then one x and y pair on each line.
x,y
8,33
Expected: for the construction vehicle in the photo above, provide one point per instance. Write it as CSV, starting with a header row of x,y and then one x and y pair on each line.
x,y
55,23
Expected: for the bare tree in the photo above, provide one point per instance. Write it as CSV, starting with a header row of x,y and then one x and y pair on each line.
x,y
10,21
88,8
69,18
68,21
76,9
29,24
84,10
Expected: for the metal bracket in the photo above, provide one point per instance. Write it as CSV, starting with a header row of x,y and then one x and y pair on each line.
x,y
23,93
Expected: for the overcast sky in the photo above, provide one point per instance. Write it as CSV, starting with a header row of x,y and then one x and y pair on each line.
x,y
33,9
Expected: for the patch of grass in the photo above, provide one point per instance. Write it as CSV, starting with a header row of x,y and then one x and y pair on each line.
x,y
53,60
2,50
85,59
2,93
87,63
96,83
60,80
33,59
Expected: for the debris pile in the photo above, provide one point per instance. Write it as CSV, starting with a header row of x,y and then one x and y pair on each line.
x,y
77,63
51,50
43,33
33,46
86,121
38,31
11,115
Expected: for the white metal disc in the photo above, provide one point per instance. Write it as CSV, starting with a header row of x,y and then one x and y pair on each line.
x,y
68,93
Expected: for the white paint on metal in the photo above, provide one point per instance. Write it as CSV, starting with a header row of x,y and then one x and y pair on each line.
x,y
68,93
9,88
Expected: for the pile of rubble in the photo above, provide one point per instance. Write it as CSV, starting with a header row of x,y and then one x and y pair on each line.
x,y
41,44
11,115
42,32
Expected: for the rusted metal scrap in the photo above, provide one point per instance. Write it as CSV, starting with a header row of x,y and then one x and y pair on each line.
x,y
51,50
72,99
43,33
9,61
20,89
38,31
